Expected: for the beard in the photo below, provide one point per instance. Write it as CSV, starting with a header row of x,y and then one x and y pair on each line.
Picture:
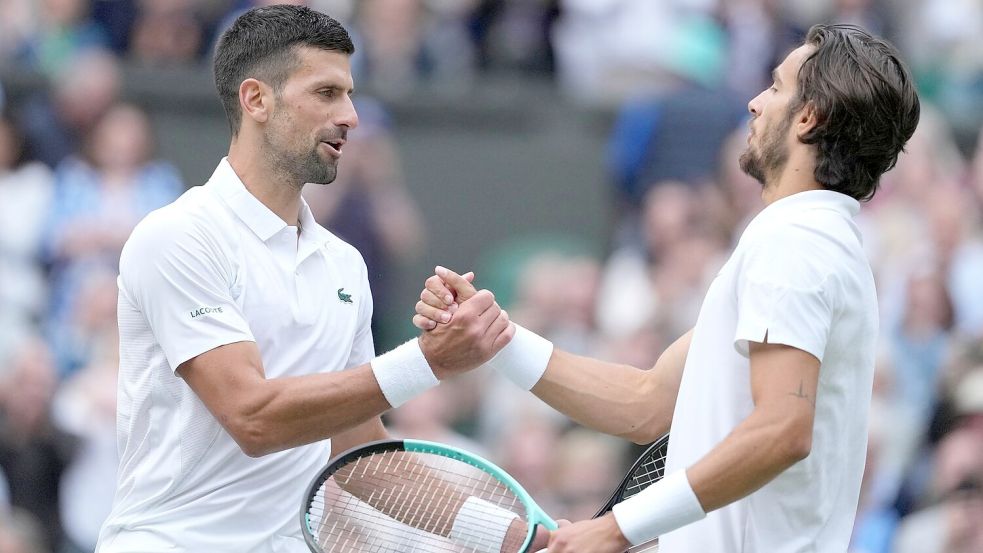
x,y
772,154
297,161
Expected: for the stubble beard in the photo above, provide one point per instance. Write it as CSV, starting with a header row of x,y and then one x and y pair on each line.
x,y
295,162
772,157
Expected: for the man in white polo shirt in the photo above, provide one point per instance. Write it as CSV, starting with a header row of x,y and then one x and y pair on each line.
x,y
244,325
767,396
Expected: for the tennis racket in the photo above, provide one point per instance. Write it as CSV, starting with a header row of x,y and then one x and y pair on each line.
x,y
646,470
417,496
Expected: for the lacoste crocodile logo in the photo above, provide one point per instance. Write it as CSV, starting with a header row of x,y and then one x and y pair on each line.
x,y
345,298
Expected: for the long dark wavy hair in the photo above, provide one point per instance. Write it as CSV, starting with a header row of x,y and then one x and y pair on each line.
x,y
866,104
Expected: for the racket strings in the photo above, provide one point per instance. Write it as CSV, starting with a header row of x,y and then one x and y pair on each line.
x,y
397,501
648,472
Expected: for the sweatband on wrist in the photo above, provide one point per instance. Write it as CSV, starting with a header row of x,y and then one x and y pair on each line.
x,y
659,509
524,359
403,373
481,525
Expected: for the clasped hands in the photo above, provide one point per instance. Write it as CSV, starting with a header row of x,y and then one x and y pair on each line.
x,y
465,327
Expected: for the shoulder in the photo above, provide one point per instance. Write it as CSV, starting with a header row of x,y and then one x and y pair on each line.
x,y
195,221
803,251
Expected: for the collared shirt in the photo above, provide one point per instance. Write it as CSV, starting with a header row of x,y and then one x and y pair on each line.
x,y
800,277
214,268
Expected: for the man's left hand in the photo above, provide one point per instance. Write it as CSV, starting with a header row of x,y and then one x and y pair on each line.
x,y
600,535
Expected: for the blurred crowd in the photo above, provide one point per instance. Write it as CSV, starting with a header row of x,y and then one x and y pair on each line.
x,y
78,169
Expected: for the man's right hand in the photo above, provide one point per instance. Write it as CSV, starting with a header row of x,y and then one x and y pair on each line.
x,y
441,297
477,331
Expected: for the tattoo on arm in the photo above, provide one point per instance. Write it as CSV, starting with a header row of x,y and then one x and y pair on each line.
x,y
801,394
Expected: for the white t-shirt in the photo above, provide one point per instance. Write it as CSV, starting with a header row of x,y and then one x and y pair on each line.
x,y
799,275
214,268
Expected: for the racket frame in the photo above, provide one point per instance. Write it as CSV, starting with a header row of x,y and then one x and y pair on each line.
x,y
618,495
534,514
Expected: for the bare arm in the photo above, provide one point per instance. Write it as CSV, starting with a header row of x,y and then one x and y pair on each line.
x,y
776,435
264,415
615,399
267,415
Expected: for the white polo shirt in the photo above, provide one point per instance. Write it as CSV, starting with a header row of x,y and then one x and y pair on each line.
x,y
217,267
799,275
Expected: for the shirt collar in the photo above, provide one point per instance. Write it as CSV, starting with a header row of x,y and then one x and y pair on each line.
x,y
259,218
312,234
812,199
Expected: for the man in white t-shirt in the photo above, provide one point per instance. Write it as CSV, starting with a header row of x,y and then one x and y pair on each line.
x,y
244,325
767,396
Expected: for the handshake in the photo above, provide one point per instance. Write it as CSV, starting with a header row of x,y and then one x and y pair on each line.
x,y
463,329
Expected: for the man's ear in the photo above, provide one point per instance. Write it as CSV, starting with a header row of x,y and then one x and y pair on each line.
x,y
806,120
255,100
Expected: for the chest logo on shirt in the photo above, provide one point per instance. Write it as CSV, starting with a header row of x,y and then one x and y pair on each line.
x,y
205,311
345,298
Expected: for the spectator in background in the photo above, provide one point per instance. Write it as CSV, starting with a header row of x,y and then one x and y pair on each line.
x,y
950,523
402,43
659,280
943,38
586,468
17,22
100,196
429,416
757,36
525,450
26,189
166,33
33,453
85,407
514,34
369,207
55,124
608,51
64,30
21,533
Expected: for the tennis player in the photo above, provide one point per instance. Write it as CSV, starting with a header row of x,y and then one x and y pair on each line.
x,y
767,397
244,325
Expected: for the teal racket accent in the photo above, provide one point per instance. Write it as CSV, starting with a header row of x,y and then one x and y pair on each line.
x,y
413,495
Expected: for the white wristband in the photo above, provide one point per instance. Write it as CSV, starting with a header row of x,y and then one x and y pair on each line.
x,y
481,525
524,359
661,508
403,373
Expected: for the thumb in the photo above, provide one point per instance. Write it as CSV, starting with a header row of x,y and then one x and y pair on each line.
x,y
463,289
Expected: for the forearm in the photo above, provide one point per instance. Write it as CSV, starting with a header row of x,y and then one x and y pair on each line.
x,y
616,399
755,452
293,411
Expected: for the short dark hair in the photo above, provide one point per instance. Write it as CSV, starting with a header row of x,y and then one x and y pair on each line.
x,y
865,102
260,44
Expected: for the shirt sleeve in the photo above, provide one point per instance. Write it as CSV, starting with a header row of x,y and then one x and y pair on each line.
x,y
784,295
179,278
363,347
